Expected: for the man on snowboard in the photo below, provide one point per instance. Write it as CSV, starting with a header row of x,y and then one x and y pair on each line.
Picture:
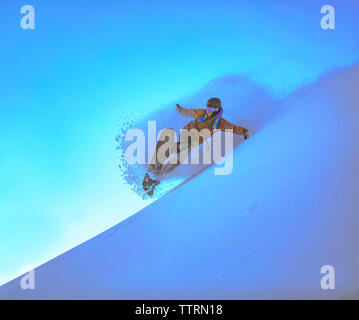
x,y
209,118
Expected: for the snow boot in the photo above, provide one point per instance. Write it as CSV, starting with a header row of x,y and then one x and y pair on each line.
x,y
149,184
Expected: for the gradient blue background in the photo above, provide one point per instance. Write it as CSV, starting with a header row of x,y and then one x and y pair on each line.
x,y
65,85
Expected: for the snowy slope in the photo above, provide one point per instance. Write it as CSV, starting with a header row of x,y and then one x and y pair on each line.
x,y
289,207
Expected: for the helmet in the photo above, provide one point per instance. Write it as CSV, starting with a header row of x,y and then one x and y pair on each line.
x,y
214,103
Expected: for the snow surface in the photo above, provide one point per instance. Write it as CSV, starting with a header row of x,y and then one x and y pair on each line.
x,y
289,207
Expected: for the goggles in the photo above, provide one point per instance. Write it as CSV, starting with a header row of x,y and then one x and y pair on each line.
x,y
210,109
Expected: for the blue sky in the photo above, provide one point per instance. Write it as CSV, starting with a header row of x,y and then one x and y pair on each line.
x,y
65,85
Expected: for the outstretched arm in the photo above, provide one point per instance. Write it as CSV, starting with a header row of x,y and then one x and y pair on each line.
x,y
191,113
225,125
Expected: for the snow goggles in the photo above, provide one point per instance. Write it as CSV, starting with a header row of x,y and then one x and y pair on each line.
x,y
210,109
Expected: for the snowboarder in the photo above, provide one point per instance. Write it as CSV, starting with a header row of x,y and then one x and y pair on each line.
x,y
209,118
